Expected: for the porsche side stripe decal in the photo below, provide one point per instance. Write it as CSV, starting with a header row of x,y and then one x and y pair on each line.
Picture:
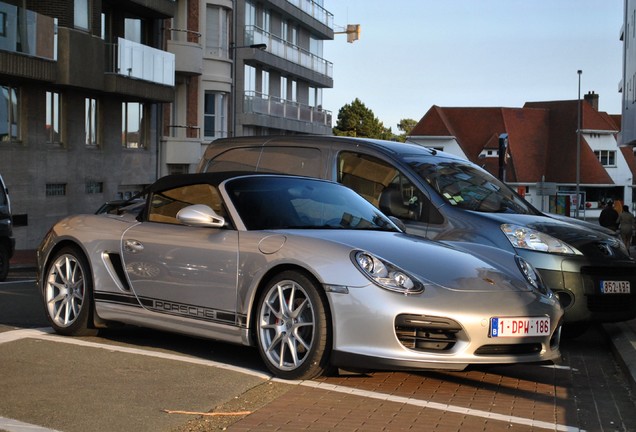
x,y
108,297
169,307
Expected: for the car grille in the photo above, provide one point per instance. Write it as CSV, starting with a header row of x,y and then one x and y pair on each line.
x,y
509,349
426,333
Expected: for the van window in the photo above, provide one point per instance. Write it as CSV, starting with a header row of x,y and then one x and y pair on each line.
x,y
236,159
284,160
291,160
386,188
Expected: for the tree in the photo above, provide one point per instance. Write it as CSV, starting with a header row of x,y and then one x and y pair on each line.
x,y
406,126
356,120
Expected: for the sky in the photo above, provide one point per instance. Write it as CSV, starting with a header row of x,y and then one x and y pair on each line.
x,y
413,54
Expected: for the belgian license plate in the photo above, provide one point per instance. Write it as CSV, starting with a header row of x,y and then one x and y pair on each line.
x,y
519,326
615,287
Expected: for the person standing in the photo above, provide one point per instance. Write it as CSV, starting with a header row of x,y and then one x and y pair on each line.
x,y
609,217
626,226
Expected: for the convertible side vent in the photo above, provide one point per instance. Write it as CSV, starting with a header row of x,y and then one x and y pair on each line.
x,y
114,259
426,333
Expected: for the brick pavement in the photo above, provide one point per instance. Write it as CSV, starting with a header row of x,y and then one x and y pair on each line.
x,y
502,400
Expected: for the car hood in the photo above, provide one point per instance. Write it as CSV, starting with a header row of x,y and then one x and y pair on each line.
x,y
430,261
593,241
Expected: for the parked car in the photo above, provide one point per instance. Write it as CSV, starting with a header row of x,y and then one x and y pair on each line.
x,y
443,197
304,269
7,242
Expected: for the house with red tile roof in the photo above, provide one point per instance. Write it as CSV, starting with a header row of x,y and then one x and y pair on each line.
x,y
541,149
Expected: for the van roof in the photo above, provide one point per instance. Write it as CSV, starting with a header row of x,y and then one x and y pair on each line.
x,y
408,148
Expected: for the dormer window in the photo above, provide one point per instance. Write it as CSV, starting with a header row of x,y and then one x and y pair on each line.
x,y
607,158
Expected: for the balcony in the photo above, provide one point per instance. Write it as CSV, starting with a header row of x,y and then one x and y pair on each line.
x,y
182,146
140,71
27,32
290,52
187,50
314,10
258,103
27,44
134,60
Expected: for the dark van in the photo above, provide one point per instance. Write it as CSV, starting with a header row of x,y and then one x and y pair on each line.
x,y
446,198
7,242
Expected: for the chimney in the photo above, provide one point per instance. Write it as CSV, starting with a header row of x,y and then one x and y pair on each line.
x,y
592,99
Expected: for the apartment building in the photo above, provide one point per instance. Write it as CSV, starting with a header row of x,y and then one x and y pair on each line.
x,y
82,85
244,67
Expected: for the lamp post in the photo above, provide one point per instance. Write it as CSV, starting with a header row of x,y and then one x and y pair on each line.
x,y
233,48
578,148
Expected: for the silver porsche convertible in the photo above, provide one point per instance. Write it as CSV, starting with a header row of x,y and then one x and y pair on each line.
x,y
306,270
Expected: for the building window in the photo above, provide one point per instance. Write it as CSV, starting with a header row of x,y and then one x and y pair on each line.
x,y
132,125
81,14
607,158
9,114
265,84
52,126
55,189
132,30
216,31
178,168
93,187
250,14
250,78
214,115
90,122
283,88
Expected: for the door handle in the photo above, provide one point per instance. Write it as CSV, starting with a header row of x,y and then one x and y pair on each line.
x,y
133,246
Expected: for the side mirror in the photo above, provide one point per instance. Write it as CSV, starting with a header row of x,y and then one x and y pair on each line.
x,y
199,215
398,223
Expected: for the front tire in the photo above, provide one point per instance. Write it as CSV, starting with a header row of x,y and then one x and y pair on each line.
x,y
68,293
292,327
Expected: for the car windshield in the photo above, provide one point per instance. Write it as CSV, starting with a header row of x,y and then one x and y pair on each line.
x,y
265,202
468,187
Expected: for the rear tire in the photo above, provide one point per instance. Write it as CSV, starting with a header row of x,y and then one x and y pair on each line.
x,y
293,331
68,293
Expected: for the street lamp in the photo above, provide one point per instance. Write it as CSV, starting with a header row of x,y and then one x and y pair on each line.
x,y
578,148
233,48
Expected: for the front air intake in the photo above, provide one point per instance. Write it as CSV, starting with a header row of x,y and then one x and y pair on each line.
x,y
426,333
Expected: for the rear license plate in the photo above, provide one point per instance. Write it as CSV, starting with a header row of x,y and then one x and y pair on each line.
x,y
615,287
519,327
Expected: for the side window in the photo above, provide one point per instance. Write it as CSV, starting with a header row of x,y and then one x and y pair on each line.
x,y
238,159
291,160
165,205
385,187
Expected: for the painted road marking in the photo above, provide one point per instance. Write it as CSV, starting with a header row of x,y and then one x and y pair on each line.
x,y
11,425
47,334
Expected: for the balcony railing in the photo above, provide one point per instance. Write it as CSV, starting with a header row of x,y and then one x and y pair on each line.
x,y
184,35
259,103
288,51
134,60
27,32
313,9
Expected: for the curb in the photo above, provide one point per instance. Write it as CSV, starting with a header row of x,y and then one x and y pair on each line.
x,y
623,341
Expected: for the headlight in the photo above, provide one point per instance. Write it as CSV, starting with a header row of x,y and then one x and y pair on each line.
x,y
526,238
532,276
385,274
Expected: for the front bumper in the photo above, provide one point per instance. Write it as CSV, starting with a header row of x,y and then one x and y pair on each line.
x,y
581,297
435,330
